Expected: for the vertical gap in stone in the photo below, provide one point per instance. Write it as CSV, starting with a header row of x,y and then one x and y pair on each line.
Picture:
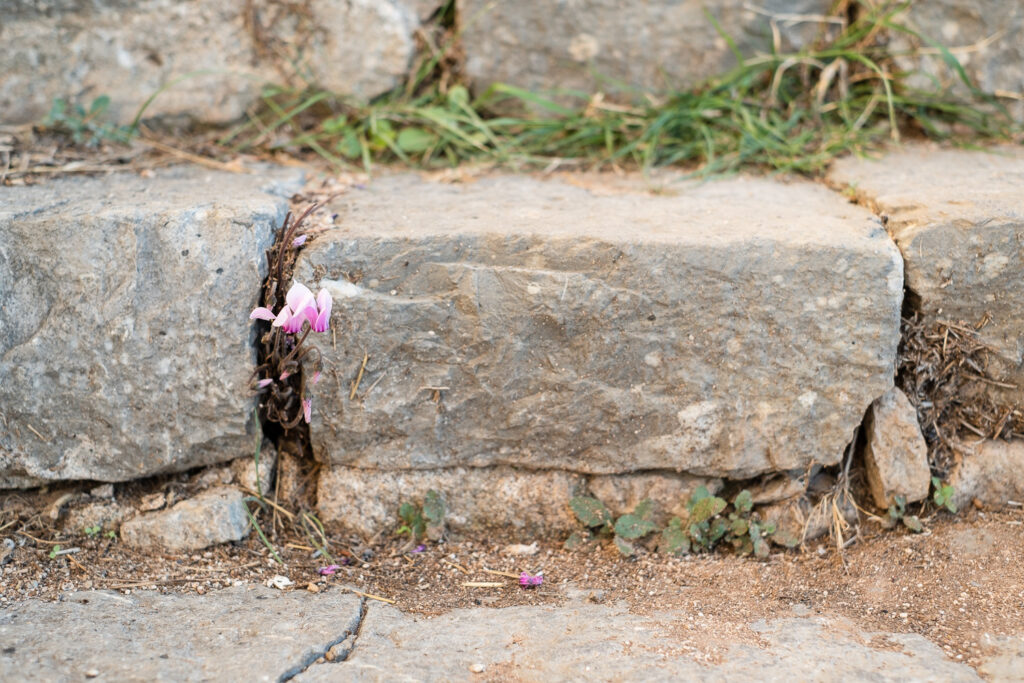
x,y
280,407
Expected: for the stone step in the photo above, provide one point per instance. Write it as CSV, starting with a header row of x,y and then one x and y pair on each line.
x,y
125,348
726,329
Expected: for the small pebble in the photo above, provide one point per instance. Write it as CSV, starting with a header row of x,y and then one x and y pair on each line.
x,y
91,673
477,668
313,588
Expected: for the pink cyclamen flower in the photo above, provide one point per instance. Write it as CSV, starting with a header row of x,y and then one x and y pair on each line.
x,y
262,313
285,375
528,581
300,240
328,570
307,409
322,321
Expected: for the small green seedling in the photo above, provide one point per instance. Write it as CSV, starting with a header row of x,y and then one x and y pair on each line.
x,y
54,551
898,513
423,521
93,531
943,495
90,127
111,534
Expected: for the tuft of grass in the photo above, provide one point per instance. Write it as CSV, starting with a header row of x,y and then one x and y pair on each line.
x,y
782,111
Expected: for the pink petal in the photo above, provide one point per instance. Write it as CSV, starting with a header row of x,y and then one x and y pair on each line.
x,y
316,377
300,240
322,322
283,317
299,297
285,375
324,300
262,314
264,383
307,409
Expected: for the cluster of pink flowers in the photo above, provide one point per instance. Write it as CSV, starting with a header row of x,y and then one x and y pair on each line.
x,y
300,306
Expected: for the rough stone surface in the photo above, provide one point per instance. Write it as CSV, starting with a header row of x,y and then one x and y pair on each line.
x,y
992,472
655,46
958,218
212,56
253,477
608,643
249,633
519,504
125,348
984,36
211,517
621,493
105,514
895,453
729,329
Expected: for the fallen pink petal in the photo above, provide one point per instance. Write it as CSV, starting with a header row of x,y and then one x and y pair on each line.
x,y
528,581
329,569
300,240
307,409
419,549
316,377
264,383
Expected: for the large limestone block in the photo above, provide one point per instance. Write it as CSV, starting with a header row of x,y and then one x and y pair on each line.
x,y
515,502
958,218
125,348
734,328
602,45
213,56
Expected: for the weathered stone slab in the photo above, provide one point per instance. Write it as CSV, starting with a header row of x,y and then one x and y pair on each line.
x,y
213,56
958,218
734,328
125,345
895,452
609,643
519,504
211,517
653,47
249,633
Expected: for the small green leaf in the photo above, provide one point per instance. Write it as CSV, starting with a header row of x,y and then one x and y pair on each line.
x,y
414,140
349,146
590,511
576,539
913,523
719,528
433,507
624,546
407,511
458,96
739,527
699,494
631,526
674,539
99,105
744,502
706,508
53,551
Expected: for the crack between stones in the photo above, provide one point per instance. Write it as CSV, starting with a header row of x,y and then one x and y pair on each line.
x,y
311,659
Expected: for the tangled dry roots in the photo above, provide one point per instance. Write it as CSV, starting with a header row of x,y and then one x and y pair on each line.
x,y
944,371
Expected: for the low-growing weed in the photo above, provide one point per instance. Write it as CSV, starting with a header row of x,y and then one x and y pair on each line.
x,y
943,495
898,513
86,126
92,531
422,521
706,525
